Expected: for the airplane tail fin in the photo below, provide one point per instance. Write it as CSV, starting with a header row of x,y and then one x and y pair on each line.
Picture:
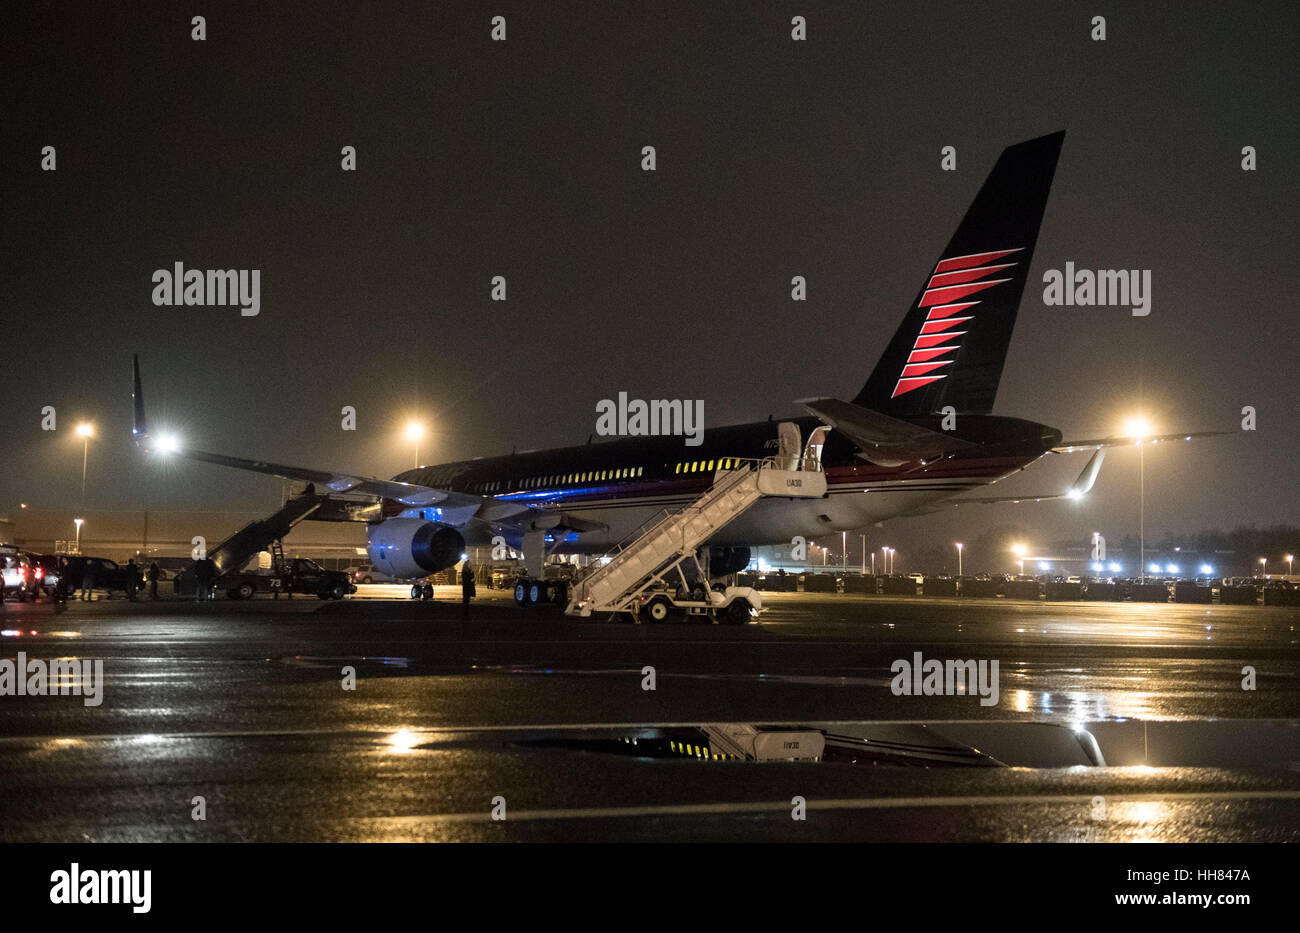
x,y
953,342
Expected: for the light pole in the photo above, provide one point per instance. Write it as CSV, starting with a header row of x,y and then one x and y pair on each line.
x,y
415,431
85,431
1019,551
1289,558
844,552
864,555
1264,562
1139,429
959,546
78,522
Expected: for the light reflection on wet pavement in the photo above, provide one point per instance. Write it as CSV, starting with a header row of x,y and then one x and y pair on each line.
x,y
242,703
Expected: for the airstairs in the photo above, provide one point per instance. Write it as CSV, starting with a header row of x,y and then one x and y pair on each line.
x,y
657,549
235,551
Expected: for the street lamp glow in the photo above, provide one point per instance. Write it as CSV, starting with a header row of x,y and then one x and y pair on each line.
x,y
415,431
85,430
1138,428
959,547
168,444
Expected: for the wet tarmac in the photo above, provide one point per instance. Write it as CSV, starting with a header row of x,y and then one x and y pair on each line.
x,y
546,721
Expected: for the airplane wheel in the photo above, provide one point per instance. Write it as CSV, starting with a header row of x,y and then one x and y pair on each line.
x,y
738,612
416,590
428,591
521,595
659,609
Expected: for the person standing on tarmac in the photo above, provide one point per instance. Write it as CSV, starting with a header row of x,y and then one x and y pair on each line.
x,y
153,575
87,581
62,587
132,580
466,589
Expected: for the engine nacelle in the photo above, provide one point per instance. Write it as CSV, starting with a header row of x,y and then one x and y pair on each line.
x,y
411,547
727,560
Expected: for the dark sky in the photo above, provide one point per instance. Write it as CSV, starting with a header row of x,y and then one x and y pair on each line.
x,y
775,158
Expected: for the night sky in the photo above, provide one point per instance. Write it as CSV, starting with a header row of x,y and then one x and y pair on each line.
x,y
775,158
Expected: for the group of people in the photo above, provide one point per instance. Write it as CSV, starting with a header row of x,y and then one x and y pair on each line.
x,y
135,581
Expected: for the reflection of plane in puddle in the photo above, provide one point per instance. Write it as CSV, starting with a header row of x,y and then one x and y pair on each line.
x,y
925,745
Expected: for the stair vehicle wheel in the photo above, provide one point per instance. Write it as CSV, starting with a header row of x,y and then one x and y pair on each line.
x,y
659,609
521,594
700,593
536,592
738,612
245,591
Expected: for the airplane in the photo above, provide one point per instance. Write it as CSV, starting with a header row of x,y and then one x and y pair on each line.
x,y
918,436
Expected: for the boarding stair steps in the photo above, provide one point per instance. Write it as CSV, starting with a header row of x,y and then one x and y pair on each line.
x,y
612,584
235,551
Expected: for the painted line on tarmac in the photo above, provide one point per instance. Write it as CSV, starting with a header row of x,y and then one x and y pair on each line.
x,y
570,727
852,803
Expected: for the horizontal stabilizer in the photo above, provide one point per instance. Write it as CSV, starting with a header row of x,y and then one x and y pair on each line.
x,y
885,441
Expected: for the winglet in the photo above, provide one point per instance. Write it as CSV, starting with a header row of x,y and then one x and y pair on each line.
x,y
1083,485
139,430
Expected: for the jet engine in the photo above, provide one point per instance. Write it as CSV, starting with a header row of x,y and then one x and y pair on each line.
x,y
727,560
411,547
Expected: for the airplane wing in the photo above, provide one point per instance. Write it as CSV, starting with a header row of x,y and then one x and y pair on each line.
x,y
885,441
457,507
1080,488
1069,447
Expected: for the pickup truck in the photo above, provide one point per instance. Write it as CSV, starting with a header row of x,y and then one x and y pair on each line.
x,y
299,575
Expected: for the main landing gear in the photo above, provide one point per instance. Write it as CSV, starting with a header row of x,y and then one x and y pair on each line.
x,y
541,593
